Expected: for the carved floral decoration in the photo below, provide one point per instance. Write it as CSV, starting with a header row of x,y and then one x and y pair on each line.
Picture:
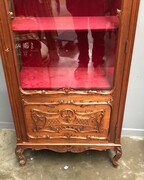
x,y
68,121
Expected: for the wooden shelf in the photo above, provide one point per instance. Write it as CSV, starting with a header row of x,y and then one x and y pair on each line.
x,y
98,23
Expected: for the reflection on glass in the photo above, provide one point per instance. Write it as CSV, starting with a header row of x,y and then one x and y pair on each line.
x,y
67,43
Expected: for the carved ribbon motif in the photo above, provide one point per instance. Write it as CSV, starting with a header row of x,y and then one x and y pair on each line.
x,y
68,120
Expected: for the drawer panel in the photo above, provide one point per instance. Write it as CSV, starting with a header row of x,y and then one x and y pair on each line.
x,y
72,122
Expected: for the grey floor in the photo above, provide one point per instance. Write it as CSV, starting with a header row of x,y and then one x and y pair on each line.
x,y
90,165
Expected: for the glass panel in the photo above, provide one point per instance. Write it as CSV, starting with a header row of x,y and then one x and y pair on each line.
x,y
66,43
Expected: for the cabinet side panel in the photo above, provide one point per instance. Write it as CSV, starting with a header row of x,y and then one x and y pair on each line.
x,y
7,53
133,23
124,17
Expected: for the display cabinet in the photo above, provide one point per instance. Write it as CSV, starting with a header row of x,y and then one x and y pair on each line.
x,y
66,65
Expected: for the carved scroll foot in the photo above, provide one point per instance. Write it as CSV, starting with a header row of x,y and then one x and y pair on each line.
x,y
118,154
22,159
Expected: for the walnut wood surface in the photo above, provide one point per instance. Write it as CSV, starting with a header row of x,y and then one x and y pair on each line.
x,y
67,119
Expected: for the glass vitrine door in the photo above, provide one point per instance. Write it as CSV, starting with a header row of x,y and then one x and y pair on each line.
x,y
66,43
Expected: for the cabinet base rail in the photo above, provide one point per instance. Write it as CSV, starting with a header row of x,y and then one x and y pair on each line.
x,y
116,148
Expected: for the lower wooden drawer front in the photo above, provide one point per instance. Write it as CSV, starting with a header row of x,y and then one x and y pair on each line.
x,y
67,122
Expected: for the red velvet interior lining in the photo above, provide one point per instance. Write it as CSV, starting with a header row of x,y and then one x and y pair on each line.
x,y
59,77
54,77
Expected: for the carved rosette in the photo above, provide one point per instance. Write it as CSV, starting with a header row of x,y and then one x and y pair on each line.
x,y
67,115
68,122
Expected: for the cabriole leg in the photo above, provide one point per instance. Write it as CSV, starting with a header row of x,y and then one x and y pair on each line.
x,y
19,152
118,154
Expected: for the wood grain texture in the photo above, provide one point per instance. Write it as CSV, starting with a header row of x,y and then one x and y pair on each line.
x,y
8,59
67,119
128,58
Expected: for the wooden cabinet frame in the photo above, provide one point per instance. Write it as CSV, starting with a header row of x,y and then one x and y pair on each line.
x,y
109,103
